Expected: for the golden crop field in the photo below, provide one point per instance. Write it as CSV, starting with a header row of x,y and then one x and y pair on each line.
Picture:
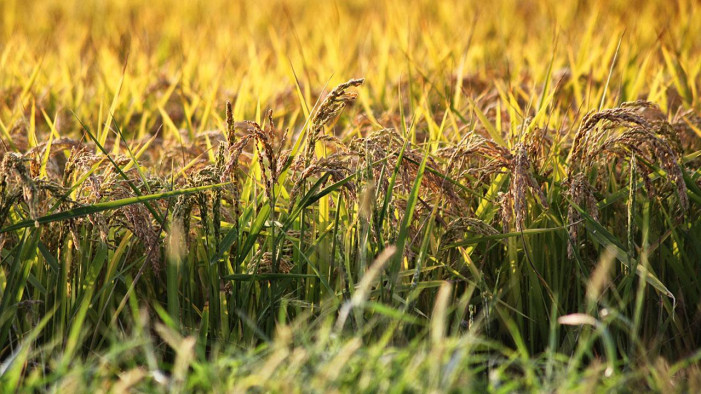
x,y
374,196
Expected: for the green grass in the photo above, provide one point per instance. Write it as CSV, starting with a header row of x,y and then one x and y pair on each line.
x,y
192,198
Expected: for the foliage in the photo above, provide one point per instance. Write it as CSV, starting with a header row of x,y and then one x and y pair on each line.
x,y
507,198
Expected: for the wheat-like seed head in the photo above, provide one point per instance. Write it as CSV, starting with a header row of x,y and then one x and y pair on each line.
x,y
332,105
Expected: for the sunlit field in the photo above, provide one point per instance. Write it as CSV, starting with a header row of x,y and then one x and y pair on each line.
x,y
350,196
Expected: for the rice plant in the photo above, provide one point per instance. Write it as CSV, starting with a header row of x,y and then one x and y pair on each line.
x,y
362,196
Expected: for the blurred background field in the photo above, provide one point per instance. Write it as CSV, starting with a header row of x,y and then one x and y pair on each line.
x,y
509,200
247,51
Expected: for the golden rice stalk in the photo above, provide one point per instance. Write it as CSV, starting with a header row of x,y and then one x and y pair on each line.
x,y
332,105
582,140
581,194
646,133
521,180
230,127
13,172
139,223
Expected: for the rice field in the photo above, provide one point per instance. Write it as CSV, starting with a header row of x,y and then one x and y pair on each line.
x,y
360,196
